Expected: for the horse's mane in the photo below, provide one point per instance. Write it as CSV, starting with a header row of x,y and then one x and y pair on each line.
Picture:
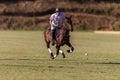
x,y
65,23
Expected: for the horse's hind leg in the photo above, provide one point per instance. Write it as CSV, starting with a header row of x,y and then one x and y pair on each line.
x,y
50,51
72,48
59,51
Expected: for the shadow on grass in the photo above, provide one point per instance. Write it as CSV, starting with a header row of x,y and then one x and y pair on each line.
x,y
37,63
39,59
63,60
20,59
116,63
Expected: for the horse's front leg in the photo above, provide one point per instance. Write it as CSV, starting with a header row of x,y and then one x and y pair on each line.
x,y
50,51
72,48
57,51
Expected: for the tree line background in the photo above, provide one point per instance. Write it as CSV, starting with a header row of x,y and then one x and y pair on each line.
x,y
34,14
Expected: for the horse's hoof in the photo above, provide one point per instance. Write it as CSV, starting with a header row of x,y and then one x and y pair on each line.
x,y
69,51
52,56
63,55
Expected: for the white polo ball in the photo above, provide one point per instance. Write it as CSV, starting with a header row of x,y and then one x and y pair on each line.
x,y
86,54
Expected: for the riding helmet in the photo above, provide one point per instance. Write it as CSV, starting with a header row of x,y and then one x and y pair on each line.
x,y
57,10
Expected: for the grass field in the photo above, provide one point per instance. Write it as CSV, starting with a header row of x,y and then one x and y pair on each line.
x,y
24,56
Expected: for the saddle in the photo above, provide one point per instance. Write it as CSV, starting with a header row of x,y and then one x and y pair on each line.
x,y
57,32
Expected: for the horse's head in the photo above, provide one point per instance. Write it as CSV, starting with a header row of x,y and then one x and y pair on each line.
x,y
69,21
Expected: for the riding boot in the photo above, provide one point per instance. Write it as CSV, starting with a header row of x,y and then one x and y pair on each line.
x,y
53,37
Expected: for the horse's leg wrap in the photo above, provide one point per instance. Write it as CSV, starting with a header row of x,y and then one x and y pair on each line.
x,y
51,54
50,51
60,51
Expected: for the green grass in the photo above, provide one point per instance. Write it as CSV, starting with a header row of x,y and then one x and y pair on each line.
x,y
24,56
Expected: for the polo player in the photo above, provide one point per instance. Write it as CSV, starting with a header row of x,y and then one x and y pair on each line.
x,y
56,21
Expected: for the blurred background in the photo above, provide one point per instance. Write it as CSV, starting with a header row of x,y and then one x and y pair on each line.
x,y
34,14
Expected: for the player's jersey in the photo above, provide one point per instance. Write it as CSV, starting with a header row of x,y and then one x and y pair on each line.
x,y
57,20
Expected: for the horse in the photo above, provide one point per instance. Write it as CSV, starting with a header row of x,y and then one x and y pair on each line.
x,y
62,38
